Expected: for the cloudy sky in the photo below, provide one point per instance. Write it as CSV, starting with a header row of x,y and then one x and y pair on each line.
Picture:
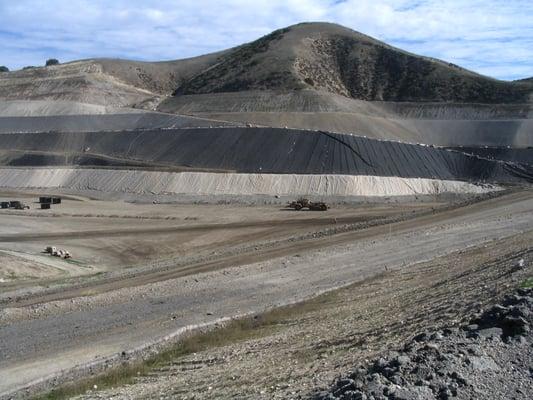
x,y
493,37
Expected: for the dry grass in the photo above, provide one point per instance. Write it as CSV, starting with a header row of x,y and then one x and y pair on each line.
x,y
235,331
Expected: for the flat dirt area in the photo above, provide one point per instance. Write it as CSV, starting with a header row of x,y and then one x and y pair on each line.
x,y
116,236
295,351
236,261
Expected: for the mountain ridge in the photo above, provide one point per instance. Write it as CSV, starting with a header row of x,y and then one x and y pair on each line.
x,y
338,60
323,57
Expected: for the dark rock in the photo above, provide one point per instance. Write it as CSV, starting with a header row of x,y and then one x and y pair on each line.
x,y
388,372
431,376
445,394
430,347
380,364
397,380
457,377
343,386
455,362
437,336
402,360
345,382
324,396
354,395
422,337
450,331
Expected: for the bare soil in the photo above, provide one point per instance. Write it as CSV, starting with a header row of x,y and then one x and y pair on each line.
x,y
89,329
299,350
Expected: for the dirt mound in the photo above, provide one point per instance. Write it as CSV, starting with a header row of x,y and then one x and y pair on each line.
x,y
334,59
228,184
106,82
490,358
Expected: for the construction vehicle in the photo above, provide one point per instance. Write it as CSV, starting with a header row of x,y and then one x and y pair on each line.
x,y
18,205
302,203
54,251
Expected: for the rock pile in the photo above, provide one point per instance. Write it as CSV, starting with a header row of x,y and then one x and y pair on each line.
x,y
490,358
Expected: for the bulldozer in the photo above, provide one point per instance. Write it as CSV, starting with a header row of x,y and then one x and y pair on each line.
x,y
18,205
303,203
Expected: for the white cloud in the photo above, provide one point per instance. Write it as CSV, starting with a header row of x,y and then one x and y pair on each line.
x,y
490,36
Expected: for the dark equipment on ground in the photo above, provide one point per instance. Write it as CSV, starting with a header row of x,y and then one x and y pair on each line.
x,y
4,204
18,205
302,203
45,206
49,200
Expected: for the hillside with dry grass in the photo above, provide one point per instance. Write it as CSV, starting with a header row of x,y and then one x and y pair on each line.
x,y
337,60
320,57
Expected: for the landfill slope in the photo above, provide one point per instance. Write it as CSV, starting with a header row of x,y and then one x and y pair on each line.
x,y
261,150
34,108
104,122
442,124
516,155
223,184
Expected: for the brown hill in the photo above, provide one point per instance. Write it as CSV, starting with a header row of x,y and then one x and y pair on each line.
x,y
107,82
335,59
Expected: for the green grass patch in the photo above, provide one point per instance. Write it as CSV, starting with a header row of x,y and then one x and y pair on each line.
x,y
528,283
235,331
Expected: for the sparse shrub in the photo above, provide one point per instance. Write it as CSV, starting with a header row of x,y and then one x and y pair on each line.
x,y
309,81
28,67
52,61
3,68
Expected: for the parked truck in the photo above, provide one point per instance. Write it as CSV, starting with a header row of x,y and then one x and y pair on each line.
x,y
303,203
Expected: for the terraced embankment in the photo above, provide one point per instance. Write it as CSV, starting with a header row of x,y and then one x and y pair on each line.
x,y
442,124
216,184
61,116
264,151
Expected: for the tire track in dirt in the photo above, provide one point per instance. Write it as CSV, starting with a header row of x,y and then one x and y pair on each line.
x,y
284,248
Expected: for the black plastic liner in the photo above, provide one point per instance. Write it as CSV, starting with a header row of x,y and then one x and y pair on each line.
x,y
521,155
262,150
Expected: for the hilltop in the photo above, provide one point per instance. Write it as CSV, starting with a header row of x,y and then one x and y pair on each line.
x,y
334,59
319,57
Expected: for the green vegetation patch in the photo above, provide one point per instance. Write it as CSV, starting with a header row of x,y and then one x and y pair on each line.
x,y
528,283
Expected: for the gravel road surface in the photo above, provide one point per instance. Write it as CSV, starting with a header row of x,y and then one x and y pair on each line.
x,y
41,340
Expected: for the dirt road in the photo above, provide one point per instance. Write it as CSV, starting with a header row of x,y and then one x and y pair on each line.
x,y
41,340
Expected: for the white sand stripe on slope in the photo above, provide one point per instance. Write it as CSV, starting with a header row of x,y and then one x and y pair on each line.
x,y
198,183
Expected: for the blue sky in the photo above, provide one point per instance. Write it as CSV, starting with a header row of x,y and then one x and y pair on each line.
x,y
492,37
